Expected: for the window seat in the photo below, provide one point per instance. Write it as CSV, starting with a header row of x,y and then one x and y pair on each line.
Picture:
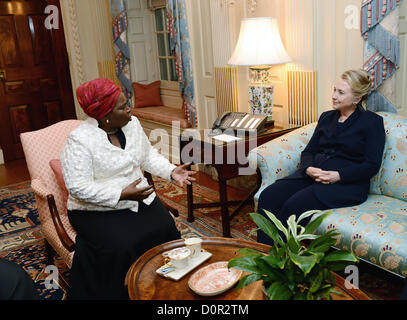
x,y
162,114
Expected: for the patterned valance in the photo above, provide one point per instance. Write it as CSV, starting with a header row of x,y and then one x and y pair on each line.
x,y
379,23
122,52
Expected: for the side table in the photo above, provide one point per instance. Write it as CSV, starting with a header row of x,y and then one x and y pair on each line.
x,y
145,284
229,159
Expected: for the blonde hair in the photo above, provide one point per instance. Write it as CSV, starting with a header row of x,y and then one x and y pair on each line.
x,y
360,83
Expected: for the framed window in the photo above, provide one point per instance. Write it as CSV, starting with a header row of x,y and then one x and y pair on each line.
x,y
166,61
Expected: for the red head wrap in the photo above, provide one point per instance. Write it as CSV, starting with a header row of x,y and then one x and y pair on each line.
x,y
98,97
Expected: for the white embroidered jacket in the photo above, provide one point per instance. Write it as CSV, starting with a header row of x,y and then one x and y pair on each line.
x,y
96,172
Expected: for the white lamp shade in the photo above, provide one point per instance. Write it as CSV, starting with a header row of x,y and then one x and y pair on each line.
x,y
259,43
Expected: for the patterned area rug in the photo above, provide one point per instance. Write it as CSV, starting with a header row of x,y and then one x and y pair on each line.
x,y
208,221
21,240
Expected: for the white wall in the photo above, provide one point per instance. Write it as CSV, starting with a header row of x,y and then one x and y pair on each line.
x,y
337,47
316,38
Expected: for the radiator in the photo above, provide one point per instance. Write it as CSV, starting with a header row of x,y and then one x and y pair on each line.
x,y
226,89
302,97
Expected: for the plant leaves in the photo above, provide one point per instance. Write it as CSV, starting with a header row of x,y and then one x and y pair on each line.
x,y
293,245
307,214
310,296
300,296
247,280
266,226
292,225
341,255
279,291
313,225
274,274
274,262
306,237
338,266
325,293
305,263
245,264
247,252
318,255
316,283
277,223
323,242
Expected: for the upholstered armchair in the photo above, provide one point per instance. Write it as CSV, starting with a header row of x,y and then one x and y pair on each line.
x,y
40,147
376,230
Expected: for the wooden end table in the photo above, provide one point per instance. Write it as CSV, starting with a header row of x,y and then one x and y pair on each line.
x,y
145,284
229,159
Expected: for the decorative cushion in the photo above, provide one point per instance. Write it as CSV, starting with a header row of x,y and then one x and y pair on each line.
x,y
162,114
55,165
393,182
376,231
147,95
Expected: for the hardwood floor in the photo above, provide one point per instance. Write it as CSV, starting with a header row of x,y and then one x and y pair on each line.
x,y
13,172
16,172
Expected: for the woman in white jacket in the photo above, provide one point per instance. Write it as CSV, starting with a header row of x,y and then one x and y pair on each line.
x,y
111,206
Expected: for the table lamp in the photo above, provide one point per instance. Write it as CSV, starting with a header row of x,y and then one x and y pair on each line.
x,y
259,46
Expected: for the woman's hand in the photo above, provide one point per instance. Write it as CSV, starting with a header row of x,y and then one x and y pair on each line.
x,y
328,177
133,193
181,175
313,172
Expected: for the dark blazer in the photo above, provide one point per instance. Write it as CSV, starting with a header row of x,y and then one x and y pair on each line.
x,y
354,149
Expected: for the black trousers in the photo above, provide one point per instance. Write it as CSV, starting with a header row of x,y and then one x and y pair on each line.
x,y
15,283
107,244
285,198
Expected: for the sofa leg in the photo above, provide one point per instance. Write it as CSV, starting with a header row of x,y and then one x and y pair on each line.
x,y
49,253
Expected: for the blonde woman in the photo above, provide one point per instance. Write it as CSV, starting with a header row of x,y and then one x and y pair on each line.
x,y
344,153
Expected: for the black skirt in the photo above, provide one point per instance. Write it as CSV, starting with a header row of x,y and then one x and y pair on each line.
x,y
107,244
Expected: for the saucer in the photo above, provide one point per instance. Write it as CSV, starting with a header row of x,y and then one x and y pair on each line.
x,y
214,279
170,272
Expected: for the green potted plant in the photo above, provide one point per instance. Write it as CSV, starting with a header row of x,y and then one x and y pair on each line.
x,y
291,270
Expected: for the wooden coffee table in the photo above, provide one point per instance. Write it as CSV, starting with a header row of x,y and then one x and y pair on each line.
x,y
145,284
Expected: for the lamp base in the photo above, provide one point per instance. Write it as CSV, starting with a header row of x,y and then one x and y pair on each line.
x,y
261,91
261,99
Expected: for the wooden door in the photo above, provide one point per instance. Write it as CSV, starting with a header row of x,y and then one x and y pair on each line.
x,y
35,89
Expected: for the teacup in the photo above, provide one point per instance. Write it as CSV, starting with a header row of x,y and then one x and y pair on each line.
x,y
178,257
194,244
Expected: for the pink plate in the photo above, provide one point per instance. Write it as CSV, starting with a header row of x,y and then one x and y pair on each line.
x,y
214,279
